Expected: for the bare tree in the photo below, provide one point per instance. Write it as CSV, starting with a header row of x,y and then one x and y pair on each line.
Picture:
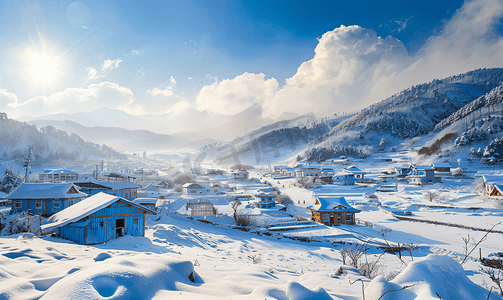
x,y
480,241
234,205
495,275
355,254
344,255
410,248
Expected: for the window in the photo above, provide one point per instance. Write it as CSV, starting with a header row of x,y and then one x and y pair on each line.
x,y
126,195
57,204
192,191
38,204
135,221
102,223
18,204
70,203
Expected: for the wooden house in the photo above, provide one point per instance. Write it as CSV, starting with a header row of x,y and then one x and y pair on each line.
x,y
240,174
120,177
497,191
344,177
150,203
313,171
98,219
402,171
490,182
441,167
422,175
265,200
57,175
192,188
332,211
359,174
44,198
124,189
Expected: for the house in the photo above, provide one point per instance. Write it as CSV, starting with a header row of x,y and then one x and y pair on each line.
x,y
344,177
441,167
44,198
120,177
490,182
57,175
313,171
240,174
422,175
265,200
277,169
125,189
497,191
359,174
332,211
149,203
192,188
402,171
289,172
98,219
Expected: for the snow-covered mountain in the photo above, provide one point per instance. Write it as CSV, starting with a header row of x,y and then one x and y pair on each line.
x,y
128,140
48,143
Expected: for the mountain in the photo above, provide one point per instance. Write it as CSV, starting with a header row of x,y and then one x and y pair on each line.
x,y
128,140
47,144
418,110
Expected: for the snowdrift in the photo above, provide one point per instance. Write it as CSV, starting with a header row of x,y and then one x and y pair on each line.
x,y
436,274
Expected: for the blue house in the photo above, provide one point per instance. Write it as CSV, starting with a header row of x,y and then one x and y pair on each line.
x,y
125,189
265,200
44,198
98,219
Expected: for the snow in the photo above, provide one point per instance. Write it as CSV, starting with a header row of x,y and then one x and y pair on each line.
x,y
45,191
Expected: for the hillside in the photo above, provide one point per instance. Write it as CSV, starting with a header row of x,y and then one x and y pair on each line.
x,y
48,143
124,139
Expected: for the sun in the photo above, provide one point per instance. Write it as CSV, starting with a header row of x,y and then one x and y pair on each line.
x,y
42,68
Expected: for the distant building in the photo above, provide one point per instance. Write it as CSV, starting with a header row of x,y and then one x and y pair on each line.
x,y
441,167
333,211
422,175
98,219
402,171
127,190
57,175
265,200
192,188
120,177
240,174
44,198
359,174
344,177
312,171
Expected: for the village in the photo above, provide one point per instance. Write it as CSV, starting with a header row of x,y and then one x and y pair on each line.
x,y
383,202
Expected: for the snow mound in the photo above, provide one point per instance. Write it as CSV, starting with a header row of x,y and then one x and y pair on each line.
x,y
436,274
133,277
102,256
296,291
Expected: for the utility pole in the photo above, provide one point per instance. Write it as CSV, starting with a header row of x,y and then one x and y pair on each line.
x,y
27,165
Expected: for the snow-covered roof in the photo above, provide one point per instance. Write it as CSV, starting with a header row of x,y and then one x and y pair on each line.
x,y
441,165
332,204
192,185
499,187
355,170
150,187
46,191
58,171
344,172
85,208
142,201
263,195
421,167
111,185
122,175
493,179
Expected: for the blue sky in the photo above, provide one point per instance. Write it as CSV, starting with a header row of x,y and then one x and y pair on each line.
x,y
146,56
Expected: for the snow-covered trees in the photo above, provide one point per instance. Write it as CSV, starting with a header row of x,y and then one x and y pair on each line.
x,y
320,154
10,181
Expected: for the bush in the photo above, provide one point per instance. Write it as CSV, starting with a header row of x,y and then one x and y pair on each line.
x,y
2,222
183,179
244,220
284,200
19,223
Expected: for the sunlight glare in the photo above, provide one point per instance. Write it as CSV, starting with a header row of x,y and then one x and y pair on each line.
x,y
42,68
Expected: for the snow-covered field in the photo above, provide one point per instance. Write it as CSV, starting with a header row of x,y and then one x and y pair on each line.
x,y
279,258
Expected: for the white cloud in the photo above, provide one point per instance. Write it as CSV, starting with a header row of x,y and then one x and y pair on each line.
x,y
231,96
110,64
92,74
167,92
71,100
172,80
135,52
7,100
353,67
